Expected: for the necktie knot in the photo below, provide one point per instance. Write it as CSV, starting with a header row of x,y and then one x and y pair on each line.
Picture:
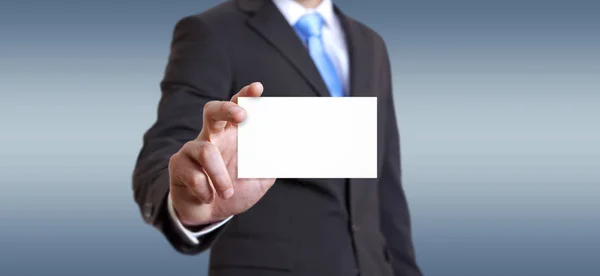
x,y
310,25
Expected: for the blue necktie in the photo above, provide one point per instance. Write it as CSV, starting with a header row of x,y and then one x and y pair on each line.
x,y
309,28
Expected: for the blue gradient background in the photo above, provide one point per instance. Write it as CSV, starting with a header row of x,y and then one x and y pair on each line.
x,y
498,105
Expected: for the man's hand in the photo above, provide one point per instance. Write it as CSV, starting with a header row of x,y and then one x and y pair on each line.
x,y
203,174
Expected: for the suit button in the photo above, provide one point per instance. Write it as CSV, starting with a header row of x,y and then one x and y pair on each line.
x,y
355,228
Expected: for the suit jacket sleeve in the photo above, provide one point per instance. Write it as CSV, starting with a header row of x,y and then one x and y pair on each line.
x,y
395,217
198,71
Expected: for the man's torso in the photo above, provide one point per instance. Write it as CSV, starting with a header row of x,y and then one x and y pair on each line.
x,y
303,226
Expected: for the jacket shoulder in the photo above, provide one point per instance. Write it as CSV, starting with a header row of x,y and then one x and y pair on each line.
x,y
367,33
218,16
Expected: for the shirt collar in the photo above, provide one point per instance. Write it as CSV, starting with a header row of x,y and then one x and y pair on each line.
x,y
292,11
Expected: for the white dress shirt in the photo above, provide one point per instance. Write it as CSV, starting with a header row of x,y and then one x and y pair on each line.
x,y
335,45
332,33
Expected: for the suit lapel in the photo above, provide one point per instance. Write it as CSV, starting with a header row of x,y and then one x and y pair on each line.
x,y
361,68
272,26
361,63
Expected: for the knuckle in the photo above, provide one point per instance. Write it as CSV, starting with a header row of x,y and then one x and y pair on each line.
x,y
174,159
187,147
208,105
214,107
198,181
206,151
224,107
190,149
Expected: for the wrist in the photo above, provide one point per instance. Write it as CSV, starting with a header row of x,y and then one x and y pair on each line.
x,y
203,216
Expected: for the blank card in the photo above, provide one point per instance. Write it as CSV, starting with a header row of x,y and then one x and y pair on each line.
x,y
308,137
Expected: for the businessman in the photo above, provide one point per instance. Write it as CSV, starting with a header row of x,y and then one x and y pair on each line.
x,y
185,181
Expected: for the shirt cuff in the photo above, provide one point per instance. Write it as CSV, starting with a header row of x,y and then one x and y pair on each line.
x,y
191,237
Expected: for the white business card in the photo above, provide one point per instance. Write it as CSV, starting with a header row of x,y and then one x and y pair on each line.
x,y
308,137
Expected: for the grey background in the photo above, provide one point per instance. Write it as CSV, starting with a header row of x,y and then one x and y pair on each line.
x,y
498,106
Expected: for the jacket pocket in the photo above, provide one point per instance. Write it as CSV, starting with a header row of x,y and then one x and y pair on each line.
x,y
228,252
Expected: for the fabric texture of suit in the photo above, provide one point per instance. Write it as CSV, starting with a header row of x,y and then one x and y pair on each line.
x,y
301,226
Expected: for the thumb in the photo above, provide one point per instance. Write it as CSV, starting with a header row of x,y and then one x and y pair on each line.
x,y
254,89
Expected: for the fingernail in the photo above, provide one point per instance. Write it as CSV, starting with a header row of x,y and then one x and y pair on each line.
x,y
227,194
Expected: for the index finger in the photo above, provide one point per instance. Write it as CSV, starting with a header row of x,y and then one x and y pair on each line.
x,y
218,113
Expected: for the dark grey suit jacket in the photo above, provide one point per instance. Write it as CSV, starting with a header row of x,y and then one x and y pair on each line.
x,y
301,226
